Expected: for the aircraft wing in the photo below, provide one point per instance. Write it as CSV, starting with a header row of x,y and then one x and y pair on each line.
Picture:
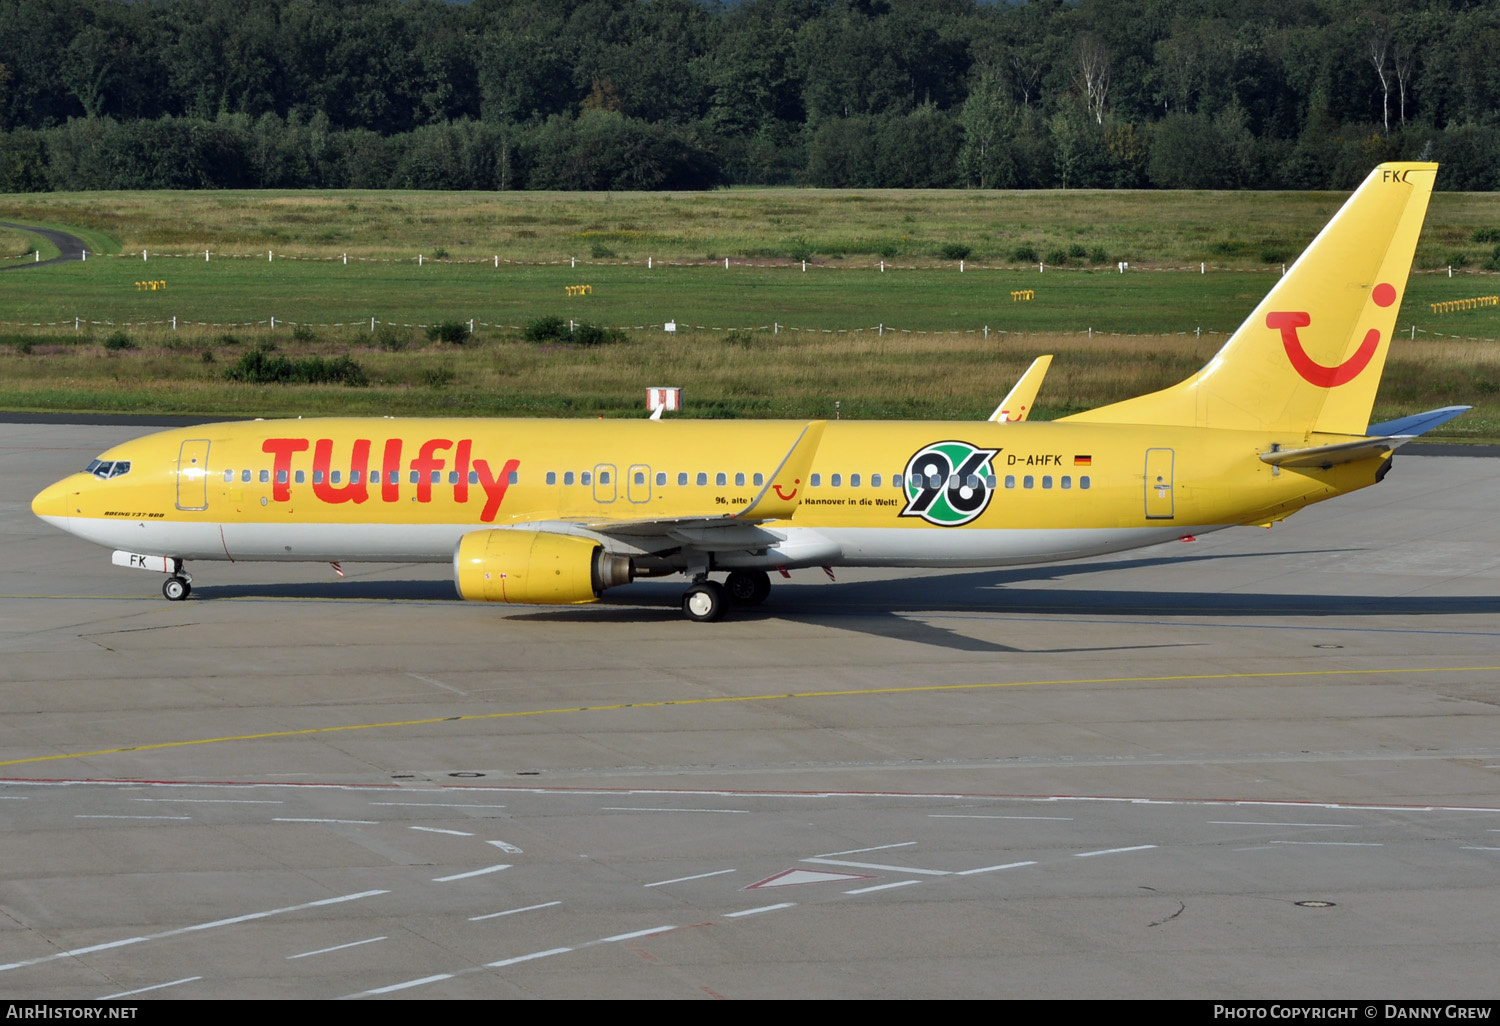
x,y
777,500
1018,401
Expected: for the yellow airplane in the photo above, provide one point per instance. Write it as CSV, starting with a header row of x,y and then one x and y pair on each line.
x,y
536,511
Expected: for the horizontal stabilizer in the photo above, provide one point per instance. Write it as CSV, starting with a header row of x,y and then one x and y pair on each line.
x,y
1417,423
1325,456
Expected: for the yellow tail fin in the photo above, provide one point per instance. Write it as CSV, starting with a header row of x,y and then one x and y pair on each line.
x,y
1309,358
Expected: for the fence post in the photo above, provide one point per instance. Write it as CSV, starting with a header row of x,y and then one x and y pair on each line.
x,y
372,325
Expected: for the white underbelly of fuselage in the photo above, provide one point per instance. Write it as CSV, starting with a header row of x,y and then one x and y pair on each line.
x,y
434,543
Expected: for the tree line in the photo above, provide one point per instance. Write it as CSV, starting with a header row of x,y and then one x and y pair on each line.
x,y
683,94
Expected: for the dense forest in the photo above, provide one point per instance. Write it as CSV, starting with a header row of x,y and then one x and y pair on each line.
x,y
682,94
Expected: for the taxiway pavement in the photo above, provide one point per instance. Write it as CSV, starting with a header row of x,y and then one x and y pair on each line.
x,y
1263,764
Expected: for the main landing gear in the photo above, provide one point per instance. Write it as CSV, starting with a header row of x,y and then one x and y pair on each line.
x,y
706,601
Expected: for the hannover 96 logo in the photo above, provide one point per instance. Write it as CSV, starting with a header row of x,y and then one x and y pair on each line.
x,y
947,483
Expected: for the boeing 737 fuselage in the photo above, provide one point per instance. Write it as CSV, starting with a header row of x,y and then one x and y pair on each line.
x,y
536,511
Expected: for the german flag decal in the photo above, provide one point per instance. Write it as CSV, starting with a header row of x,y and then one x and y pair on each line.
x,y
1083,461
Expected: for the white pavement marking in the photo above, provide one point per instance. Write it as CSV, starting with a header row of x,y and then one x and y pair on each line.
x,y
320,903
337,947
877,865
993,869
143,990
355,822
857,851
685,879
512,911
441,805
758,911
1257,822
438,684
628,808
1475,847
501,963
404,986
883,887
526,958
1335,844
630,936
104,816
509,849
1112,851
955,815
215,801
473,872
440,830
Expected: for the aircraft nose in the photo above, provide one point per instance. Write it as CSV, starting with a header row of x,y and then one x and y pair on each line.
x,y
55,500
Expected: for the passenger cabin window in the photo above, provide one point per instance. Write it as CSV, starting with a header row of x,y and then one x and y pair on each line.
x,y
301,476
1066,482
682,478
816,480
853,480
759,480
702,479
603,477
661,478
874,480
552,477
317,476
835,480
585,478
1083,482
1046,480
228,476
452,476
567,477
739,480
720,479
1010,480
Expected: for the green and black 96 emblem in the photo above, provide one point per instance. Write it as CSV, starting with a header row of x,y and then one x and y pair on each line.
x,y
947,483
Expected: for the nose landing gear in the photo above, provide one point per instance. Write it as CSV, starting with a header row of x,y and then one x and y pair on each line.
x,y
177,587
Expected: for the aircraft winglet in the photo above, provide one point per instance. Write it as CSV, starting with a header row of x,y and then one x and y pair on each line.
x,y
783,492
1018,402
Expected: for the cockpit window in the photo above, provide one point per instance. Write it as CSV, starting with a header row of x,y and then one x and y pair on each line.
x,y
103,469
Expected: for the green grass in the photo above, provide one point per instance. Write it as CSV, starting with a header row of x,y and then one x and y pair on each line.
x,y
1235,229
933,358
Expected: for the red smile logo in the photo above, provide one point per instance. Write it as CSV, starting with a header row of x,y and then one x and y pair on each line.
x,y
786,498
1287,322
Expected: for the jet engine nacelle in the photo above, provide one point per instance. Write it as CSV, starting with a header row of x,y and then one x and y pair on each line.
x,y
535,567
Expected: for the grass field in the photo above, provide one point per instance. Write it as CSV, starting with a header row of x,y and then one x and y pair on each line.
x,y
767,339
1234,229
